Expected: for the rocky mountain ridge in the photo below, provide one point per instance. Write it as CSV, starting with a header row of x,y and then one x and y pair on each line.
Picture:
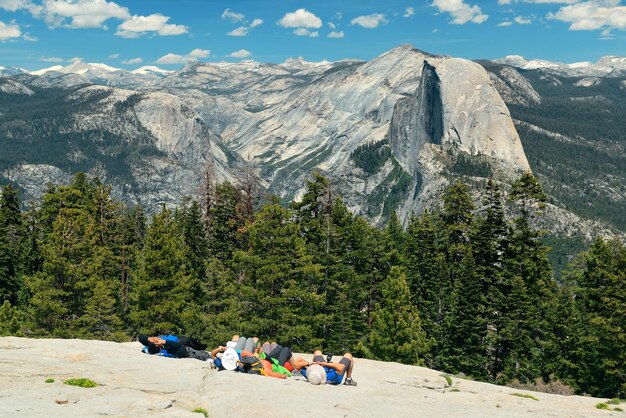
x,y
294,117
422,119
607,66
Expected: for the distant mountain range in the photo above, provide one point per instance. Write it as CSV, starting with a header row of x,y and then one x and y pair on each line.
x,y
608,66
391,133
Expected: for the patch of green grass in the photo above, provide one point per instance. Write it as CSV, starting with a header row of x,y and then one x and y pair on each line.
x,y
525,395
201,411
602,405
618,409
614,401
81,382
454,390
49,380
448,379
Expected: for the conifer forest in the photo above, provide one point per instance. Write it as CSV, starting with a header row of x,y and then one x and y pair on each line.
x,y
466,288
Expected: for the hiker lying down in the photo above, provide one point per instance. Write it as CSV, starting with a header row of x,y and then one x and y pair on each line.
x,y
334,371
172,346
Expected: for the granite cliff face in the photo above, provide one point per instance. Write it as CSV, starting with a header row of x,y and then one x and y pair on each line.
x,y
291,118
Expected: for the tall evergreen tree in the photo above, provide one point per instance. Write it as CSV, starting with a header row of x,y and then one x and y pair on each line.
x,y
397,333
465,345
165,286
11,245
279,281
602,302
226,222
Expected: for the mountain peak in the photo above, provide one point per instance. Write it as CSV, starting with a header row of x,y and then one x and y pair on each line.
x,y
151,69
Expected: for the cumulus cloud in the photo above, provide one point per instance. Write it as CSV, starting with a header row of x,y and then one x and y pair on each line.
x,y
138,26
301,18
460,11
233,16
593,15
114,56
133,61
194,55
242,53
336,34
240,18
81,13
240,31
505,23
9,31
370,21
306,32
522,20
409,12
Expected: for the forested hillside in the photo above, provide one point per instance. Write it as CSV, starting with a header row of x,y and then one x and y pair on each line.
x,y
461,290
575,141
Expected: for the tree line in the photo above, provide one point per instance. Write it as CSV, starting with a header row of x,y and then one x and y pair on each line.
x,y
465,288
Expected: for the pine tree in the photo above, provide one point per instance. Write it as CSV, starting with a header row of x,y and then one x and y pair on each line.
x,y
226,222
11,245
602,301
165,286
101,318
526,259
426,266
12,321
464,348
279,280
397,334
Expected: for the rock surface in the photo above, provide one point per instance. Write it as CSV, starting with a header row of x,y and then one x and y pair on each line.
x,y
134,384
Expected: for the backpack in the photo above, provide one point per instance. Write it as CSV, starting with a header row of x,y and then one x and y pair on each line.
x,y
252,365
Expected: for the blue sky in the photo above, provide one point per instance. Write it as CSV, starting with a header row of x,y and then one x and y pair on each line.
x,y
40,33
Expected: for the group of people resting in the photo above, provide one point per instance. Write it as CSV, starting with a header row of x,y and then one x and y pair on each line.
x,y
247,355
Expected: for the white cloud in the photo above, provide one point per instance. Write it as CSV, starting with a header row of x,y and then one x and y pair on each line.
x,y
133,61
200,53
522,20
194,55
9,31
593,15
51,59
232,16
370,21
155,23
332,25
505,23
240,31
301,18
93,14
242,53
256,22
30,38
306,32
335,34
81,13
114,56
409,12
460,11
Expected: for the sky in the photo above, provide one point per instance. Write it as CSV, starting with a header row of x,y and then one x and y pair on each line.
x,y
36,34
